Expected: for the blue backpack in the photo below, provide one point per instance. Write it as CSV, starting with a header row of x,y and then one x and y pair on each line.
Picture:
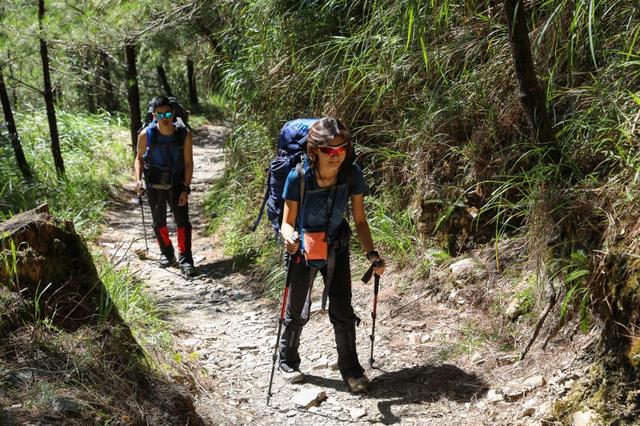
x,y
292,147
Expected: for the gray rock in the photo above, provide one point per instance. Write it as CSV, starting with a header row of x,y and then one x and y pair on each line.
x,y
357,412
586,417
65,406
316,307
320,364
311,397
17,378
291,413
494,396
527,412
463,267
514,310
517,389
477,358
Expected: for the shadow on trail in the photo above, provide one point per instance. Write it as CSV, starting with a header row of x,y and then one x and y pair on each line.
x,y
415,385
210,136
224,267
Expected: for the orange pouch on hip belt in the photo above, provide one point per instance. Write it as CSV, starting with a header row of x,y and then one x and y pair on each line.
x,y
315,245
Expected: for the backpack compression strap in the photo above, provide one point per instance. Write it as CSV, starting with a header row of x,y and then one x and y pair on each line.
x,y
264,203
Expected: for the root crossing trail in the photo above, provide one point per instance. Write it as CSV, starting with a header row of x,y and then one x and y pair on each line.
x,y
226,330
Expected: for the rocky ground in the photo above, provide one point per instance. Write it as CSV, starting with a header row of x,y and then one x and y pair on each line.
x,y
437,360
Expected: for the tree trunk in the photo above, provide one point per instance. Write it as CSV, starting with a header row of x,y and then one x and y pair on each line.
x,y
87,87
193,95
531,95
14,92
109,100
48,96
133,94
162,75
13,131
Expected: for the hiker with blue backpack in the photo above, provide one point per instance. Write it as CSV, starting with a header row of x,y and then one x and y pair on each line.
x,y
165,155
316,237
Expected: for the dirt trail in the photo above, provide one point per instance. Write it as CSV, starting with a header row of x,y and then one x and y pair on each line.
x,y
430,371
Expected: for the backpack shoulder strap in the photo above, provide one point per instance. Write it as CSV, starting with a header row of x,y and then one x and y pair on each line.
x,y
152,132
180,134
301,179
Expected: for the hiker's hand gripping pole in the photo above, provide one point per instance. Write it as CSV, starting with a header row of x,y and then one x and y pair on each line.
x,y
376,286
283,309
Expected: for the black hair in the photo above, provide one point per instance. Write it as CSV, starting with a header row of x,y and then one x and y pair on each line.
x,y
322,131
161,101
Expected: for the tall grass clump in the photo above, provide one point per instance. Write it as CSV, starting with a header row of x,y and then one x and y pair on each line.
x,y
96,153
136,308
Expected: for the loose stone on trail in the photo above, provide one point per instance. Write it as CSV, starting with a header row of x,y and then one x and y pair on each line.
x,y
517,389
357,412
310,397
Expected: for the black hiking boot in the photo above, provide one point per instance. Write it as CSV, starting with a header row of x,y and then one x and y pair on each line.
x,y
358,384
188,270
165,262
289,374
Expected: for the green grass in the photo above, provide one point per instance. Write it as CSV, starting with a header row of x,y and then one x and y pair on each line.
x,y
97,156
134,305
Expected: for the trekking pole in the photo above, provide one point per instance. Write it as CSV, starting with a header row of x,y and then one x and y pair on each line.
x,y
280,322
144,225
376,286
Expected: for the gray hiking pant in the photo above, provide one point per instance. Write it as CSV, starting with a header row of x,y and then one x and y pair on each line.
x,y
341,313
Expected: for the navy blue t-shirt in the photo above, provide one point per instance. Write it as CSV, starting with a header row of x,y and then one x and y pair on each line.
x,y
165,152
317,203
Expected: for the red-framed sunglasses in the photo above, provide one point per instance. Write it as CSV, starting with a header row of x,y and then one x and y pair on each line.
x,y
332,151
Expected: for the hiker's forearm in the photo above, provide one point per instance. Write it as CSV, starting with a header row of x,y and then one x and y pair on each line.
x,y
188,174
286,231
364,235
137,167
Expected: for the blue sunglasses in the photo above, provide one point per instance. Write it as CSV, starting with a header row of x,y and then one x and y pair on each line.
x,y
161,115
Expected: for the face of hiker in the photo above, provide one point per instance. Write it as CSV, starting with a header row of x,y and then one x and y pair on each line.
x,y
332,154
163,115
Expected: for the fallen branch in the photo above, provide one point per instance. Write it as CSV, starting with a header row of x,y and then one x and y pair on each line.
x,y
551,291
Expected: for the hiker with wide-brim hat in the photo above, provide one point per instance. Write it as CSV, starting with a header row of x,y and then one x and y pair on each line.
x,y
165,155
316,237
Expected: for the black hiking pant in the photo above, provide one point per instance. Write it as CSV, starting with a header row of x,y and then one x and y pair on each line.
x,y
341,313
158,201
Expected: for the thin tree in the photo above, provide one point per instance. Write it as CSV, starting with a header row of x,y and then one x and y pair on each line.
x,y
14,92
533,101
162,76
193,95
108,99
531,95
48,95
13,131
133,93
86,85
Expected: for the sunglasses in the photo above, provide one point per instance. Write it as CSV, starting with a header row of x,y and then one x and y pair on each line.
x,y
161,115
332,151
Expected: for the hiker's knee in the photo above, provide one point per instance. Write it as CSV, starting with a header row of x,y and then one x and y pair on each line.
x,y
295,318
340,285
341,313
